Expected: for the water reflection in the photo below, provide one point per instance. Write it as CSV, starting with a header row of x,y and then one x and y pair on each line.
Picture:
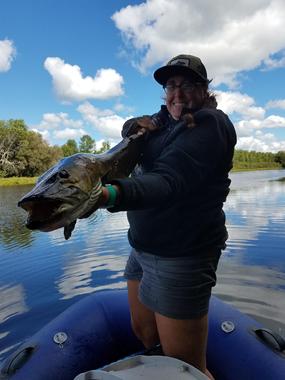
x,y
41,273
251,273
100,263
241,180
12,301
12,304
83,276
12,219
256,223
255,290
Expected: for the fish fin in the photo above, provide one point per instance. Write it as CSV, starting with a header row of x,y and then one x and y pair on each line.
x,y
68,229
84,216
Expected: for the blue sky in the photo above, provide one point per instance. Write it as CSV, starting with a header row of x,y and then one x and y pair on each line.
x,y
74,67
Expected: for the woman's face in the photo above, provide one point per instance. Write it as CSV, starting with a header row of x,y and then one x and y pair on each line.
x,y
181,93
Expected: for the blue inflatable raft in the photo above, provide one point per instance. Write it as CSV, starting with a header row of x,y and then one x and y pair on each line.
x,y
96,331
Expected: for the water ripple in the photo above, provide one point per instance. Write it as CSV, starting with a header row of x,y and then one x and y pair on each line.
x,y
41,273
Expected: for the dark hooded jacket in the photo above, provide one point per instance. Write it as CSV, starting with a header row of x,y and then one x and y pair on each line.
x,y
175,195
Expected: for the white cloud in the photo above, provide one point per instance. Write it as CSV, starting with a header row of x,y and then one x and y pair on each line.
x,y
273,121
261,142
61,134
246,127
251,136
7,54
69,133
280,103
70,85
58,120
59,126
119,107
106,122
250,122
243,104
274,63
230,37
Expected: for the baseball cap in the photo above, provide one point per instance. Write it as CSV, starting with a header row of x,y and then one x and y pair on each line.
x,y
183,64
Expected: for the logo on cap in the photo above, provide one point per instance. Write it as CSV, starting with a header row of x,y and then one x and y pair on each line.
x,y
179,61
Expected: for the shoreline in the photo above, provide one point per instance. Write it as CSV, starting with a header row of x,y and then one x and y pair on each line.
x,y
15,181
21,181
254,169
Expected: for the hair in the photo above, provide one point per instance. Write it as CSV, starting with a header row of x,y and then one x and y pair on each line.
x,y
210,100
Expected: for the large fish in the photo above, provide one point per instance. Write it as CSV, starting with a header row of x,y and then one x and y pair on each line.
x,y
70,190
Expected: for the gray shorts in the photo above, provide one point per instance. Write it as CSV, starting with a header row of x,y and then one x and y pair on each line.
x,y
178,287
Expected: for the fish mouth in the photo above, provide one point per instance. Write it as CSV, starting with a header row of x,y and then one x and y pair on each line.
x,y
44,216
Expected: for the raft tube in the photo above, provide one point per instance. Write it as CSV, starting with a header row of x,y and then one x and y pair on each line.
x,y
96,331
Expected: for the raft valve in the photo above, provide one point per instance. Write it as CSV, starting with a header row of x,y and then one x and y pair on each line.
x,y
60,338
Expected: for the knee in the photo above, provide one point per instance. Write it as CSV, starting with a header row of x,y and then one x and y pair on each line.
x,y
146,333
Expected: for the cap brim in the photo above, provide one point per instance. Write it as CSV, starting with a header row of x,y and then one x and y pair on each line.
x,y
162,74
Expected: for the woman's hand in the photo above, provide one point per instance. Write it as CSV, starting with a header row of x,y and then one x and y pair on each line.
x,y
139,125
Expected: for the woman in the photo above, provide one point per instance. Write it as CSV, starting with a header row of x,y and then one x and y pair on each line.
x,y
174,201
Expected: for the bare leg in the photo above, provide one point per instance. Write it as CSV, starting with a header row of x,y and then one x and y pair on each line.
x,y
182,339
185,339
143,319
210,376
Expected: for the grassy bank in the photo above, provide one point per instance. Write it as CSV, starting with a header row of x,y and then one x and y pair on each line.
x,y
243,166
17,181
240,169
32,180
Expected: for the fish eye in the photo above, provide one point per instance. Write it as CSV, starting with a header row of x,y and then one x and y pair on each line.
x,y
63,174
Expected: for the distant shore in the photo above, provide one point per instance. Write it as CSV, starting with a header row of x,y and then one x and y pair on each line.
x,y
234,170
13,181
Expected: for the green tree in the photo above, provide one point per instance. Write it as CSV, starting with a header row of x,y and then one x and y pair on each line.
x,y
255,160
36,156
280,158
24,152
69,148
12,135
87,144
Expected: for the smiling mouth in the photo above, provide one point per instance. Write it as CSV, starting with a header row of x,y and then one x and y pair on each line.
x,y
180,106
177,108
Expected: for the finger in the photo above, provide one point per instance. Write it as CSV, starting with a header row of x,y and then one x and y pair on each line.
x,y
146,122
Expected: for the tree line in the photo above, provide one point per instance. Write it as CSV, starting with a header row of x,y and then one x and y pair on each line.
x,y
244,159
24,153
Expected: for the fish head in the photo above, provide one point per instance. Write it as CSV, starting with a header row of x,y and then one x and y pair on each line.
x,y
64,193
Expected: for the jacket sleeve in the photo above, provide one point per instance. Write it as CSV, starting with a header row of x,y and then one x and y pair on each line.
x,y
185,165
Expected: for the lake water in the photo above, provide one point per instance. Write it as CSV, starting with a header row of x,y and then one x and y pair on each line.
x,y
41,274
